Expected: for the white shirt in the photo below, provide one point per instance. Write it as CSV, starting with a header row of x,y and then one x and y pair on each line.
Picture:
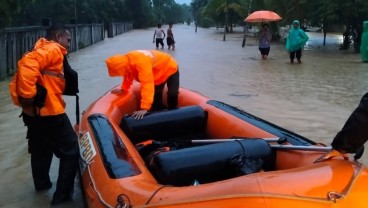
x,y
159,33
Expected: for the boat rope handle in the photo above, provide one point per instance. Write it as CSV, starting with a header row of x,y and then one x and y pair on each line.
x,y
244,152
154,193
121,203
96,190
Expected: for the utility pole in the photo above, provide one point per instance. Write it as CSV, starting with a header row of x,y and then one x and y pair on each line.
x,y
246,24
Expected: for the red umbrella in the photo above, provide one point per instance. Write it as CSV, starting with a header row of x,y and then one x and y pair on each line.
x,y
262,16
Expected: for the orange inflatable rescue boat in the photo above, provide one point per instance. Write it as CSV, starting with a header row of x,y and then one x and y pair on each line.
x,y
207,154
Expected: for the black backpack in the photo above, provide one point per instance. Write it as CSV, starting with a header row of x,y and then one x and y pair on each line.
x,y
71,84
71,79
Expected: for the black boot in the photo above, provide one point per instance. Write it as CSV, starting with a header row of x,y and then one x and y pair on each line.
x,y
65,183
42,186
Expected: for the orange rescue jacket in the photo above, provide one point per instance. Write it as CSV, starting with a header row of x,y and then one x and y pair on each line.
x,y
43,65
149,67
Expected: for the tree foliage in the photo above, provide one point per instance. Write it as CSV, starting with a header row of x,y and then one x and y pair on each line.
x,y
331,15
315,12
142,13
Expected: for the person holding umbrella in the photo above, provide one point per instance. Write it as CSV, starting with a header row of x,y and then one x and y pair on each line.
x,y
295,42
263,16
264,41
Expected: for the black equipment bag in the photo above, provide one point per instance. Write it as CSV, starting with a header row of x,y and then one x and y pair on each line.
x,y
213,162
178,124
71,85
71,79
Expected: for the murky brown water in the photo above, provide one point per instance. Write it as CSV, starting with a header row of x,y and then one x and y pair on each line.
x,y
313,99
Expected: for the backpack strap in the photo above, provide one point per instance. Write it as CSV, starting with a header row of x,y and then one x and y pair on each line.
x,y
77,108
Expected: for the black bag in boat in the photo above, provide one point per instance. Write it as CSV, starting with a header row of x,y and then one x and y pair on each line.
x,y
213,162
177,124
71,79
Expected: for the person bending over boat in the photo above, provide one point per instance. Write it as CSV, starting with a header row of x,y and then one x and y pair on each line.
x,y
49,130
153,69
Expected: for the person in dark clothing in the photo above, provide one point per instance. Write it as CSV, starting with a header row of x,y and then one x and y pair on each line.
x,y
170,38
49,130
354,133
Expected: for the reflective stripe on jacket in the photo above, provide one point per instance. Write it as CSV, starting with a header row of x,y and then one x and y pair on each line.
x,y
149,67
46,55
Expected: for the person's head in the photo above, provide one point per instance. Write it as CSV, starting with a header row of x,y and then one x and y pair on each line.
x,y
59,34
170,25
296,24
159,25
117,65
265,27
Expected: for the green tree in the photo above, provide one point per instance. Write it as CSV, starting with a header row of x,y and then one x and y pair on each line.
x,y
140,12
215,11
6,16
197,7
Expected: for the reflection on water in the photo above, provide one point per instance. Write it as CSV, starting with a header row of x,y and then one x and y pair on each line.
x,y
313,99
316,40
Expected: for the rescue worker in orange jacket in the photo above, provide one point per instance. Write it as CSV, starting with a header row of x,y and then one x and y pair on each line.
x,y
49,130
153,69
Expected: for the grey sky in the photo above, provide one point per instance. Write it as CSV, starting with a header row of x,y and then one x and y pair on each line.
x,y
183,1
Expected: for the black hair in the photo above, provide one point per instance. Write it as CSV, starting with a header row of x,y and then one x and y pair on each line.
x,y
55,29
265,24
158,25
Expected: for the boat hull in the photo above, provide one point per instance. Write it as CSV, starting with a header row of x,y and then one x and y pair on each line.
x,y
114,170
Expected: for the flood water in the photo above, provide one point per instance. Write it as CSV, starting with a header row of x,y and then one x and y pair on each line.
x,y
313,99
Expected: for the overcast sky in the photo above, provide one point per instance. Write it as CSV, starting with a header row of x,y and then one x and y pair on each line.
x,y
183,1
